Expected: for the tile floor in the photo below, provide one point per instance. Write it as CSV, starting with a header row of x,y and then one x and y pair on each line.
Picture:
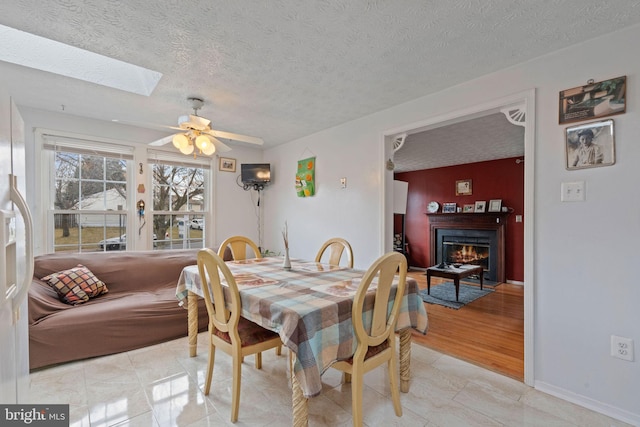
x,y
161,386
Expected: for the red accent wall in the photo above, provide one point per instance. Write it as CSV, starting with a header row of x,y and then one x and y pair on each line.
x,y
495,179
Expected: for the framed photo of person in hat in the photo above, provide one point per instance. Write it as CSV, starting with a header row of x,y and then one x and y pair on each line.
x,y
590,145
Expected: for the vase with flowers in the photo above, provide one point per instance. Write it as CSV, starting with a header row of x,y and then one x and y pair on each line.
x,y
285,236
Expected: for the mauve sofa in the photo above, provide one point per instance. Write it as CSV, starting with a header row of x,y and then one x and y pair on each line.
x,y
139,310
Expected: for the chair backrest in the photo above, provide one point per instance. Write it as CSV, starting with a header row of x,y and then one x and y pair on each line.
x,y
238,245
336,248
210,265
383,320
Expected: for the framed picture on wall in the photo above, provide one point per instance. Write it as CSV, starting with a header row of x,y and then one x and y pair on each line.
x,y
590,145
595,100
463,187
227,164
481,206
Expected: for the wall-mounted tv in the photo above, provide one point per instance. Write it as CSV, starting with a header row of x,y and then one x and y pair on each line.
x,y
255,173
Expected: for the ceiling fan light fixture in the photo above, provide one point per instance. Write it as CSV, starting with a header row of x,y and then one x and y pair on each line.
x,y
205,145
187,150
209,150
202,142
180,141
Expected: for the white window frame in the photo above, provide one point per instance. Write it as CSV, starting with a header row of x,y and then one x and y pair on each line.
x,y
176,159
46,139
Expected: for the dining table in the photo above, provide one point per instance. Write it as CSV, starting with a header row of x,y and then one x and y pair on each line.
x,y
309,306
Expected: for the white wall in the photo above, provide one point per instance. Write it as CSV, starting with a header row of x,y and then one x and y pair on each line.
x,y
236,210
585,287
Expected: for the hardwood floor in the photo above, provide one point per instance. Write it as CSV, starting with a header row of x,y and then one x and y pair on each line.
x,y
488,332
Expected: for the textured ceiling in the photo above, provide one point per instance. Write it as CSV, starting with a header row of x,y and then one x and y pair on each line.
x,y
486,138
283,69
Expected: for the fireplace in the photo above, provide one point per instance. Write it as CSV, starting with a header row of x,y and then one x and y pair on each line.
x,y
471,238
461,246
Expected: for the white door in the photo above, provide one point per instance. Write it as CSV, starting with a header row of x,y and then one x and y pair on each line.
x,y
17,260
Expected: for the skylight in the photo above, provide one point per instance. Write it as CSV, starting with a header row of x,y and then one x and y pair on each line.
x,y
21,48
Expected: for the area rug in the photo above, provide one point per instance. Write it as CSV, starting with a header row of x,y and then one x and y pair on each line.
x,y
445,294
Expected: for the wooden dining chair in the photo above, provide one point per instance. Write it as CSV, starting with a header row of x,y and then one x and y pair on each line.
x,y
379,345
238,246
337,246
228,331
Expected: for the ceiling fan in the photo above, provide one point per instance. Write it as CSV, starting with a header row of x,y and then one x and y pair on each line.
x,y
196,133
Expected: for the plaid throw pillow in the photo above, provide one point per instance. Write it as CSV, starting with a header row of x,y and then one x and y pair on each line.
x,y
76,285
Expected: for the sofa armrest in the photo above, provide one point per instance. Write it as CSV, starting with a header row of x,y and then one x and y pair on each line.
x,y
43,301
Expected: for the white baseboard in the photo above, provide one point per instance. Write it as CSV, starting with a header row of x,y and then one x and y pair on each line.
x,y
586,402
515,282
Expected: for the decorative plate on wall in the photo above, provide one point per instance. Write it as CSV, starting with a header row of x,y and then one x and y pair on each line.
x,y
433,207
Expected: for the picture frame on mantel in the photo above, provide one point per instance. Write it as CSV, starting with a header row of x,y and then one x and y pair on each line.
x,y
468,208
481,206
449,207
463,187
495,205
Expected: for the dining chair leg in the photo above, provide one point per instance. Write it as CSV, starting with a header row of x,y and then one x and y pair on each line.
x,y
279,350
346,377
357,382
259,360
395,392
212,357
235,392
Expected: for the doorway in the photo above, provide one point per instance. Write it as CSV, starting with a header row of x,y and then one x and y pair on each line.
x,y
522,104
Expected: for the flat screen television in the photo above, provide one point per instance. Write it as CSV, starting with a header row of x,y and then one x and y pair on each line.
x,y
255,173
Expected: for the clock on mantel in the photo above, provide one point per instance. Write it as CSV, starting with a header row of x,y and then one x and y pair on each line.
x,y
433,207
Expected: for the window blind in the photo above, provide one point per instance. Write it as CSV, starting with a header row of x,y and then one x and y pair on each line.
x,y
87,147
181,160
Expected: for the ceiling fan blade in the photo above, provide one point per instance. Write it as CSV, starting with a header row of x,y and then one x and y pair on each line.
x,y
236,137
220,146
162,141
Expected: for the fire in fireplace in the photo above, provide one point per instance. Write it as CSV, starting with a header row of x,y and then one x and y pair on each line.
x,y
466,253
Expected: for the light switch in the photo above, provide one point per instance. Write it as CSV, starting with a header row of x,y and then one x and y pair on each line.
x,y
572,191
343,182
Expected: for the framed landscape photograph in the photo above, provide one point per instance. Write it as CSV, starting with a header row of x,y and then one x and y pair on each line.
x,y
590,145
227,164
449,207
495,205
468,208
463,187
595,100
480,206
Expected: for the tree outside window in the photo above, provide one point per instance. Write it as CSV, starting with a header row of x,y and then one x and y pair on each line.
x,y
90,200
178,205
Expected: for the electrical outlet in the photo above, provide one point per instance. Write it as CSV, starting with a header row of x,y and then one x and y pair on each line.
x,y
343,182
622,348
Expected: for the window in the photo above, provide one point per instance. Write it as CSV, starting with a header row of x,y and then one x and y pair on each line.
x,y
89,207
180,203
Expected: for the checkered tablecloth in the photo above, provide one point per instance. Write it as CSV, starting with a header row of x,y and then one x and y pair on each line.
x,y
309,306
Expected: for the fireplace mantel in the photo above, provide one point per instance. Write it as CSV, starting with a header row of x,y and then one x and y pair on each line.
x,y
470,221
